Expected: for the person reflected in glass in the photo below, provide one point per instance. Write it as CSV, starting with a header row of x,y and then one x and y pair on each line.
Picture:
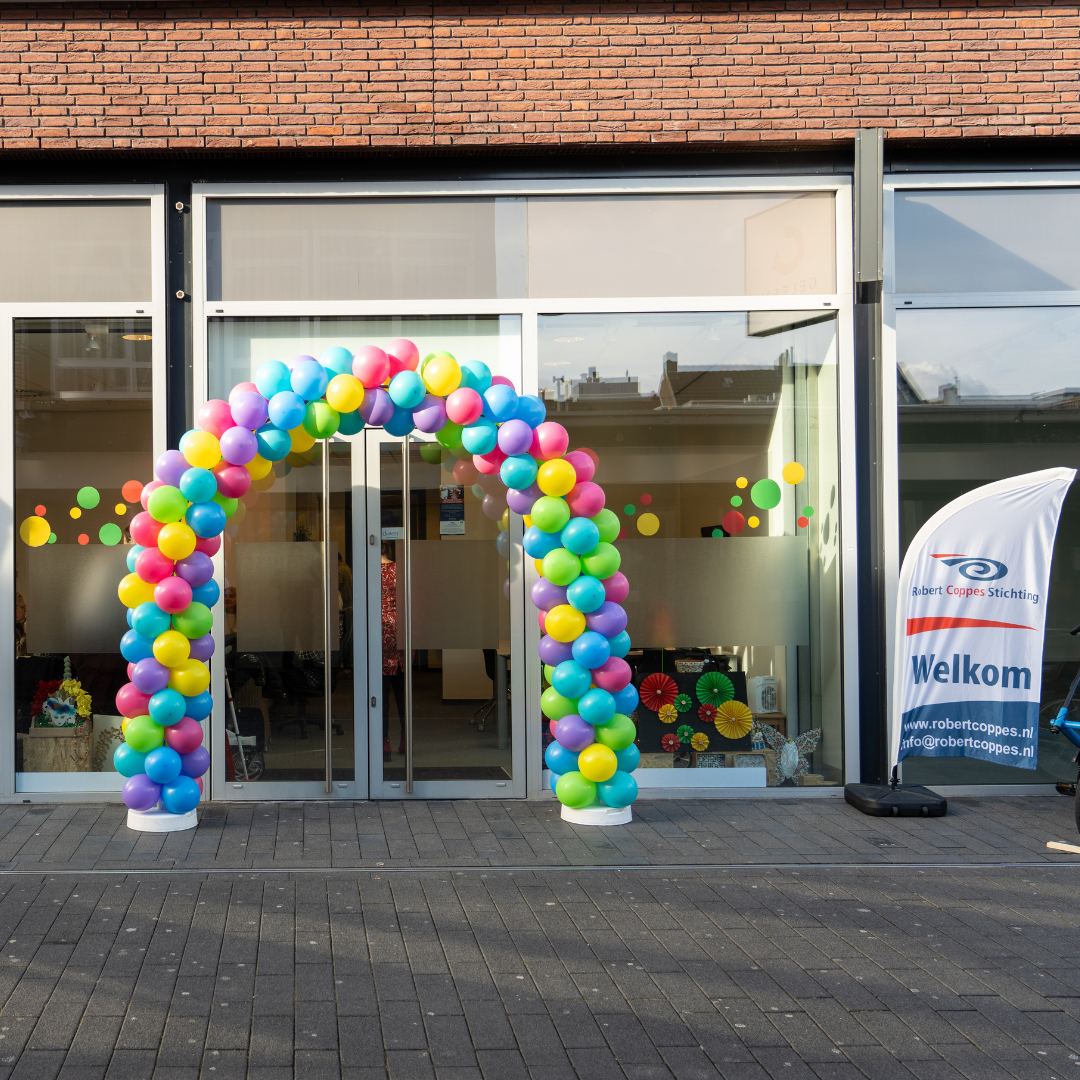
x,y
20,626
393,657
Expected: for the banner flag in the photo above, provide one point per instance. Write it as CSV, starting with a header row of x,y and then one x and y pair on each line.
x,y
970,623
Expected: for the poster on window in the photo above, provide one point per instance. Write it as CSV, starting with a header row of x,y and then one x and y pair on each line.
x,y
452,510
970,624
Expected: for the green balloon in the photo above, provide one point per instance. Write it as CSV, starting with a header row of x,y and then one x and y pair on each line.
x,y
167,504
194,621
321,420
143,734
554,706
432,453
562,566
226,504
765,494
450,436
548,672
608,524
550,513
618,733
575,791
601,562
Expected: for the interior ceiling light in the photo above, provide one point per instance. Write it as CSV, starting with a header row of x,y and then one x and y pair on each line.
x,y
138,337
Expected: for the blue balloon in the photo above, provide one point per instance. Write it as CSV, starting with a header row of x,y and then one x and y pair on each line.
x,y
519,472
272,378
350,423
560,760
198,485
585,593
406,389
619,644
309,380
206,594
274,444
627,760
134,647
619,791
591,649
596,707
626,700
197,762
200,706
150,621
500,402
571,679
133,553
286,410
181,795
166,707
481,437
130,612
475,375
580,536
206,519
337,360
537,543
128,762
163,765
401,423
531,409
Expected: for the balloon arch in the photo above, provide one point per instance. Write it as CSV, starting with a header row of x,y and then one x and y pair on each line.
x,y
492,430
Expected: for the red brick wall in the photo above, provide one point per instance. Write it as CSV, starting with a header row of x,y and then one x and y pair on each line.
x,y
670,73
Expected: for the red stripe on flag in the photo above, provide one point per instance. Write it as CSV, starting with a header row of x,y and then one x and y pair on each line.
x,y
946,622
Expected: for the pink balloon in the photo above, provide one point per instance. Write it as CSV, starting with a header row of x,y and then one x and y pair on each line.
x,y
184,736
242,388
233,481
586,500
152,566
215,416
371,366
541,618
552,439
208,545
489,463
172,595
144,529
502,380
149,490
130,674
493,507
584,465
465,472
131,701
239,446
405,353
464,406
616,587
613,675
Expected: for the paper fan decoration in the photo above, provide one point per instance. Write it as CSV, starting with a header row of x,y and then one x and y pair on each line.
x,y
667,714
707,714
733,720
670,742
714,688
685,733
658,689
699,741
683,703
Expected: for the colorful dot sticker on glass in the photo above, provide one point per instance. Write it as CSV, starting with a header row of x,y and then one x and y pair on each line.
x,y
52,538
741,482
718,532
803,522
110,534
646,500
808,511
84,539
765,494
736,500
793,473
623,534
733,522
753,522
647,524
39,510
75,512
132,491
88,497
629,509
120,508
34,531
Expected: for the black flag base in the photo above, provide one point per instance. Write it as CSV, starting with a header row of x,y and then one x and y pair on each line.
x,y
903,800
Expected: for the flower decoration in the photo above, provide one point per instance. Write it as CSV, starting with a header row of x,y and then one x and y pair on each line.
x,y
707,714
670,742
733,720
657,689
714,688
684,703
685,733
667,714
699,741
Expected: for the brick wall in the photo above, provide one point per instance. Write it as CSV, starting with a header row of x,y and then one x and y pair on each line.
x,y
660,73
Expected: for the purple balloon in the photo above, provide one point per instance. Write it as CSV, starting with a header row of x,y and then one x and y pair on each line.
x,y
197,569
545,594
608,619
521,502
140,792
430,414
170,467
291,364
376,408
573,733
515,437
249,410
195,763
238,445
149,676
202,648
551,651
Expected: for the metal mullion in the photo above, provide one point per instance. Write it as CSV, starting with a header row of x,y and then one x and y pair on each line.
x,y
97,309
328,702
931,301
406,632
7,554
947,181
79,192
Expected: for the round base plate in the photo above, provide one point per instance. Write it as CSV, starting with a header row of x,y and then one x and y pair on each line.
x,y
598,815
161,821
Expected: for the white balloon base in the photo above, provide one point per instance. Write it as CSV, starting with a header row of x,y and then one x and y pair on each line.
x,y
598,815
159,820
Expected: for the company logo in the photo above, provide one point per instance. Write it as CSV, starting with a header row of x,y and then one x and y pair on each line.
x,y
974,568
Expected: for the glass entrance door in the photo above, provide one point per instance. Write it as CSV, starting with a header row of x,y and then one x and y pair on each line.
x,y
446,710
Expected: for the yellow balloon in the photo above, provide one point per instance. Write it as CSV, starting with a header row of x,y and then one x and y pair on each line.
x,y
200,449
539,564
442,374
124,724
597,763
528,521
345,393
191,678
301,440
133,591
171,648
564,623
175,541
258,466
504,521
556,477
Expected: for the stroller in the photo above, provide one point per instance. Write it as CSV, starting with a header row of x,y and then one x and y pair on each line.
x,y
244,734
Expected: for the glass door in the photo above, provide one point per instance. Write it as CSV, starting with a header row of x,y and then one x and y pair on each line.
x,y
446,709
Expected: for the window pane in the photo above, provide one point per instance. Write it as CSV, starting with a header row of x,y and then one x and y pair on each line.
x,y
987,241
983,395
687,413
83,430
682,245
72,251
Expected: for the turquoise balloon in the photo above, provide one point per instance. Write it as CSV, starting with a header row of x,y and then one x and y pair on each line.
x,y
621,790
481,437
619,645
597,707
571,679
133,553
586,594
149,621
475,375
580,536
560,760
271,378
407,389
338,360
628,759
351,423
274,444
128,762
198,485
